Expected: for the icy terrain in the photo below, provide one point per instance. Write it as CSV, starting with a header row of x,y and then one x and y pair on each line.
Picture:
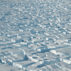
x,y
35,35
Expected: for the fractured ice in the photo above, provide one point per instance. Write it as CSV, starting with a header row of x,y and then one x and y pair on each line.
x,y
35,35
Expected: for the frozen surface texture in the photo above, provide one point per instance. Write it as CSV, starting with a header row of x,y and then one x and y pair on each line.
x,y
35,35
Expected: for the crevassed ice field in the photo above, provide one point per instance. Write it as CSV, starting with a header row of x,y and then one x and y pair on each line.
x,y
35,35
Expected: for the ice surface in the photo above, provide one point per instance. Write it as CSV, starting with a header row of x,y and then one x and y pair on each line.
x,y
35,35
